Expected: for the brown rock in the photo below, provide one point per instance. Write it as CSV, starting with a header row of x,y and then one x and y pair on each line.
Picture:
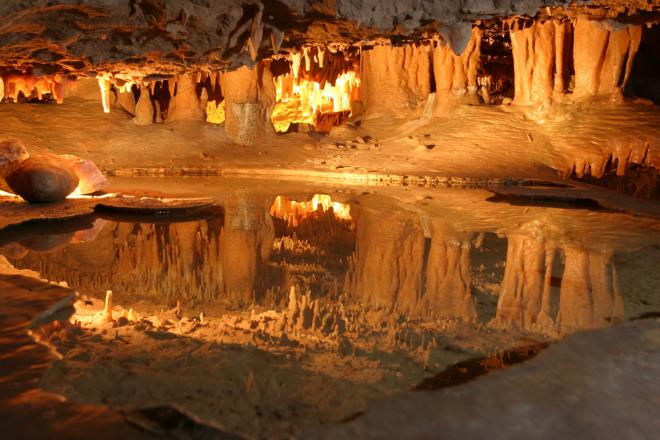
x,y
90,178
12,153
45,178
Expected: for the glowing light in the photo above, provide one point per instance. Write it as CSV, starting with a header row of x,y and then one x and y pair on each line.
x,y
104,85
299,100
294,212
215,113
76,194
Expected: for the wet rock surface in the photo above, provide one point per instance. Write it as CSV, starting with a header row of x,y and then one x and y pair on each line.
x,y
44,178
90,178
599,384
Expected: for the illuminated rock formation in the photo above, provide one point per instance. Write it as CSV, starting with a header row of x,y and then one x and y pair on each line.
x,y
603,56
395,78
389,258
448,290
185,104
43,178
540,59
90,178
249,100
247,240
456,74
590,295
525,293
144,110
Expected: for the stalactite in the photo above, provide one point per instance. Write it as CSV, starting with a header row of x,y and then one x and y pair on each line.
x,y
603,57
525,291
590,296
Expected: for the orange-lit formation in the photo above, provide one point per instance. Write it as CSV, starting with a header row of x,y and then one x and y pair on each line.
x,y
294,212
302,101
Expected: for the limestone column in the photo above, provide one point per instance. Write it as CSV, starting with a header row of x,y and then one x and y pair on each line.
x,y
249,100
395,79
603,56
144,110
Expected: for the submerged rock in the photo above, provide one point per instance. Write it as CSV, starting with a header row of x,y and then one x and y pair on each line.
x,y
90,177
12,153
45,178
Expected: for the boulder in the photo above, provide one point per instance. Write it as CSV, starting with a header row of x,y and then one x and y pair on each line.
x,y
44,178
90,178
12,153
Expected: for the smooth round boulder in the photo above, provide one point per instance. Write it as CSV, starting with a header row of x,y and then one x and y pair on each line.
x,y
12,153
42,179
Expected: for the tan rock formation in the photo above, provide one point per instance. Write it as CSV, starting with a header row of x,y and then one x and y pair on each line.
x,y
448,291
395,78
540,61
590,296
144,110
390,252
249,100
185,104
525,292
456,74
603,56
247,240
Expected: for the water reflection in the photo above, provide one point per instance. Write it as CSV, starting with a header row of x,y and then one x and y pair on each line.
x,y
379,252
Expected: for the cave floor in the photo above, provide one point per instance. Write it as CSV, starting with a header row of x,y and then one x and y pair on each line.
x,y
467,142
178,354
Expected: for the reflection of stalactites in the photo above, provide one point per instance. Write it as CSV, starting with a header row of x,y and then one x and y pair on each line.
x,y
525,292
389,259
448,281
590,296
247,240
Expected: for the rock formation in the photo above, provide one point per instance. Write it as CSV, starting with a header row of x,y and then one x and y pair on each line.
x,y
525,293
249,99
247,240
43,178
90,178
185,103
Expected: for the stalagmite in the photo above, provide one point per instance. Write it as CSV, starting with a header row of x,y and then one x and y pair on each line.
x,y
456,75
185,104
249,100
603,56
106,314
525,291
144,110
590,296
